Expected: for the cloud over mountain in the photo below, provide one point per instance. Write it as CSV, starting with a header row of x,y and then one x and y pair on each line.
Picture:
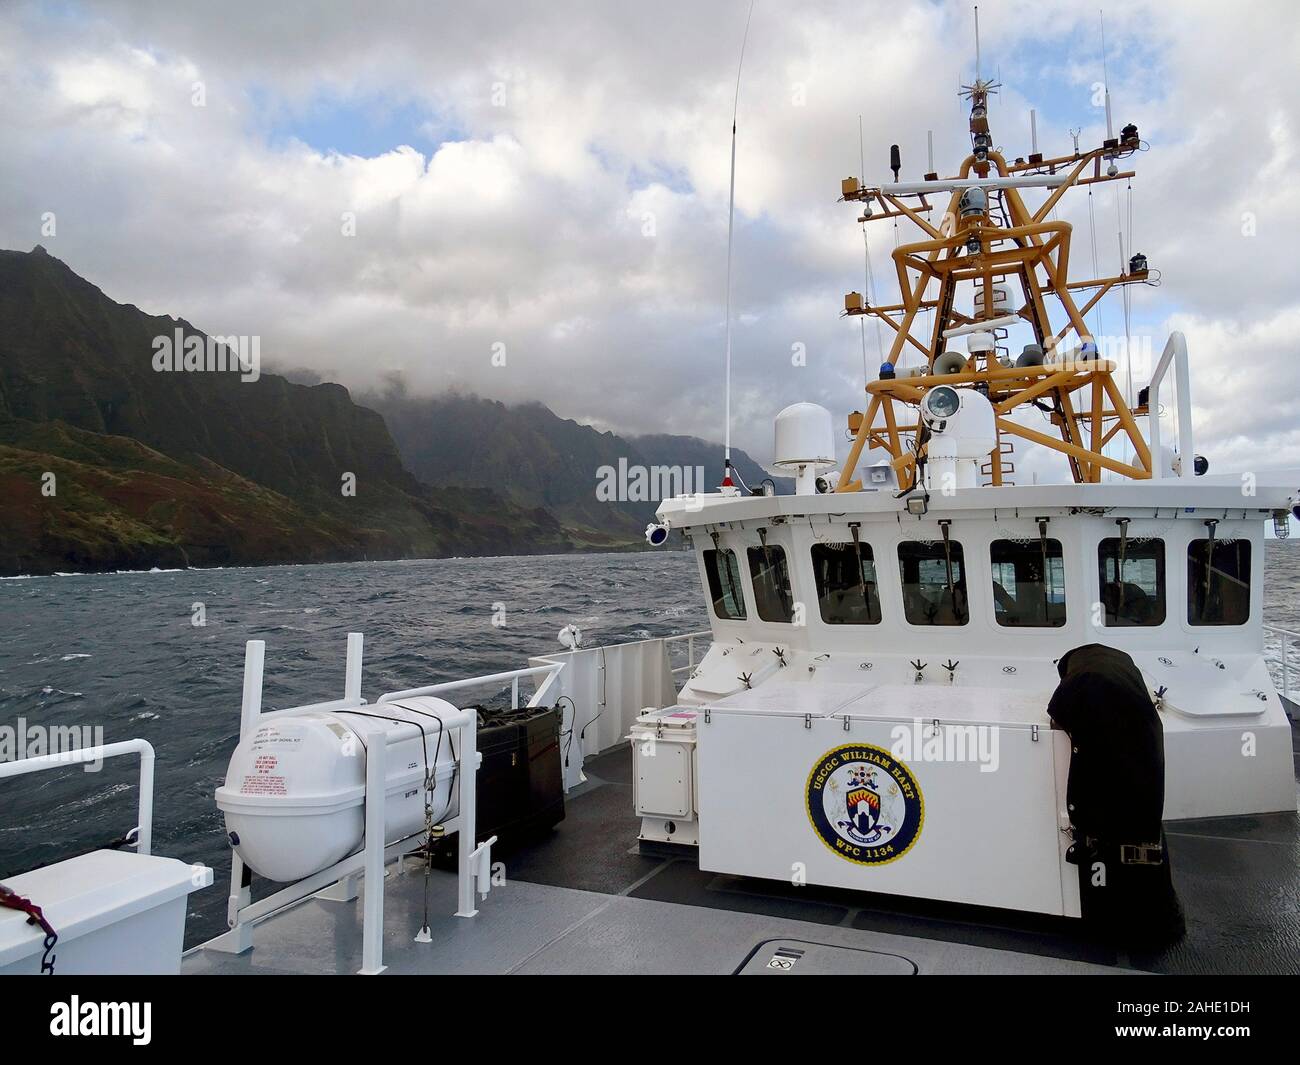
x,y
424,187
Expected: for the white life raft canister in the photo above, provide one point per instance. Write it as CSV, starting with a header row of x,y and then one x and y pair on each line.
x,y
294,796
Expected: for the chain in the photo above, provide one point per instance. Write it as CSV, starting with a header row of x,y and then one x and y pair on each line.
x,y
13,901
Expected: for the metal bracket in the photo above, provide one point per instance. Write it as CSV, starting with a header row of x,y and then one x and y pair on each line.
x,y
807,721
1033,734
708,715
847,719
1141,854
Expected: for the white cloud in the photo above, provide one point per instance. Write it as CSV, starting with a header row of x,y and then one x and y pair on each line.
x,y
582,222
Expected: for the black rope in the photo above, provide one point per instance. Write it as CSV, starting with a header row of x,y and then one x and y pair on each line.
x,y
573,724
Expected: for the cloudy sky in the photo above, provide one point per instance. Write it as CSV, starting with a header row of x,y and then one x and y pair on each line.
x,y
401,188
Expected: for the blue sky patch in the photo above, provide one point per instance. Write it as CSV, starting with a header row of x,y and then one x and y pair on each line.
x,y
365,125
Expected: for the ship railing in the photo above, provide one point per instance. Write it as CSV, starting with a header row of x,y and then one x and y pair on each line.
x,y
1285,640
514,676
602,690
1175,354
689,639
142,834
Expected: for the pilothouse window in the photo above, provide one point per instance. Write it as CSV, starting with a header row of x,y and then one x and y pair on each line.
x,y
1028,582
771,576
847,590
1218,582
1132,573
723,573
934,582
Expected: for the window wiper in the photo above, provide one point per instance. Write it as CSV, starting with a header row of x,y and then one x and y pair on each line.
x,y
731,581
1119,576
1042,543
1211,524
947,556
781,588
862,577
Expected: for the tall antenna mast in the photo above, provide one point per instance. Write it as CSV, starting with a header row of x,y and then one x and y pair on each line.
x,y
731,218
991,238
866,256
1105,74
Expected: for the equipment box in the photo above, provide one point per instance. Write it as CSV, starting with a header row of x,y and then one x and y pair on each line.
x,y
663,774
116,913
958,795
520,787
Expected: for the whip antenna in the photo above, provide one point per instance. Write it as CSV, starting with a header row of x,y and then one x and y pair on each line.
x,y
731,217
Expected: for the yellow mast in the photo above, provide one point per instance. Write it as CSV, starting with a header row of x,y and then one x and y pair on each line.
x,y
989,235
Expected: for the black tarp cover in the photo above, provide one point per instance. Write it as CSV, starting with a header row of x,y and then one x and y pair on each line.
x,y
1116,795
1117,767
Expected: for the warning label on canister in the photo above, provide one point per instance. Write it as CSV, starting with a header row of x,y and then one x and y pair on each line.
x,y
263,785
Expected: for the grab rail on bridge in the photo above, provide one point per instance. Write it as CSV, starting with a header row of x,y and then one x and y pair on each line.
x,y
1285,636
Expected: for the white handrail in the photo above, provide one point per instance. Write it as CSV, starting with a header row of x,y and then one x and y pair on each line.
x,y
1175,352
1286,636
471,682
690,638
144,827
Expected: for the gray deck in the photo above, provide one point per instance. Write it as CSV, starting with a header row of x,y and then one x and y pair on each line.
x,y
583,899
538,929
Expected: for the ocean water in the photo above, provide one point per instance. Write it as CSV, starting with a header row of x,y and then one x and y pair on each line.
x,y
120,651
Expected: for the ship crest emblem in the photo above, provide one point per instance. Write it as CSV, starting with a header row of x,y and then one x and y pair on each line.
x,y
862,805
865,804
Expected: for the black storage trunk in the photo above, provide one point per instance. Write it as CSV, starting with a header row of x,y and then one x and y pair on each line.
x,y
520,786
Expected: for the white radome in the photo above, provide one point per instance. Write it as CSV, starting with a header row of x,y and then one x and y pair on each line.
x,y
804,442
